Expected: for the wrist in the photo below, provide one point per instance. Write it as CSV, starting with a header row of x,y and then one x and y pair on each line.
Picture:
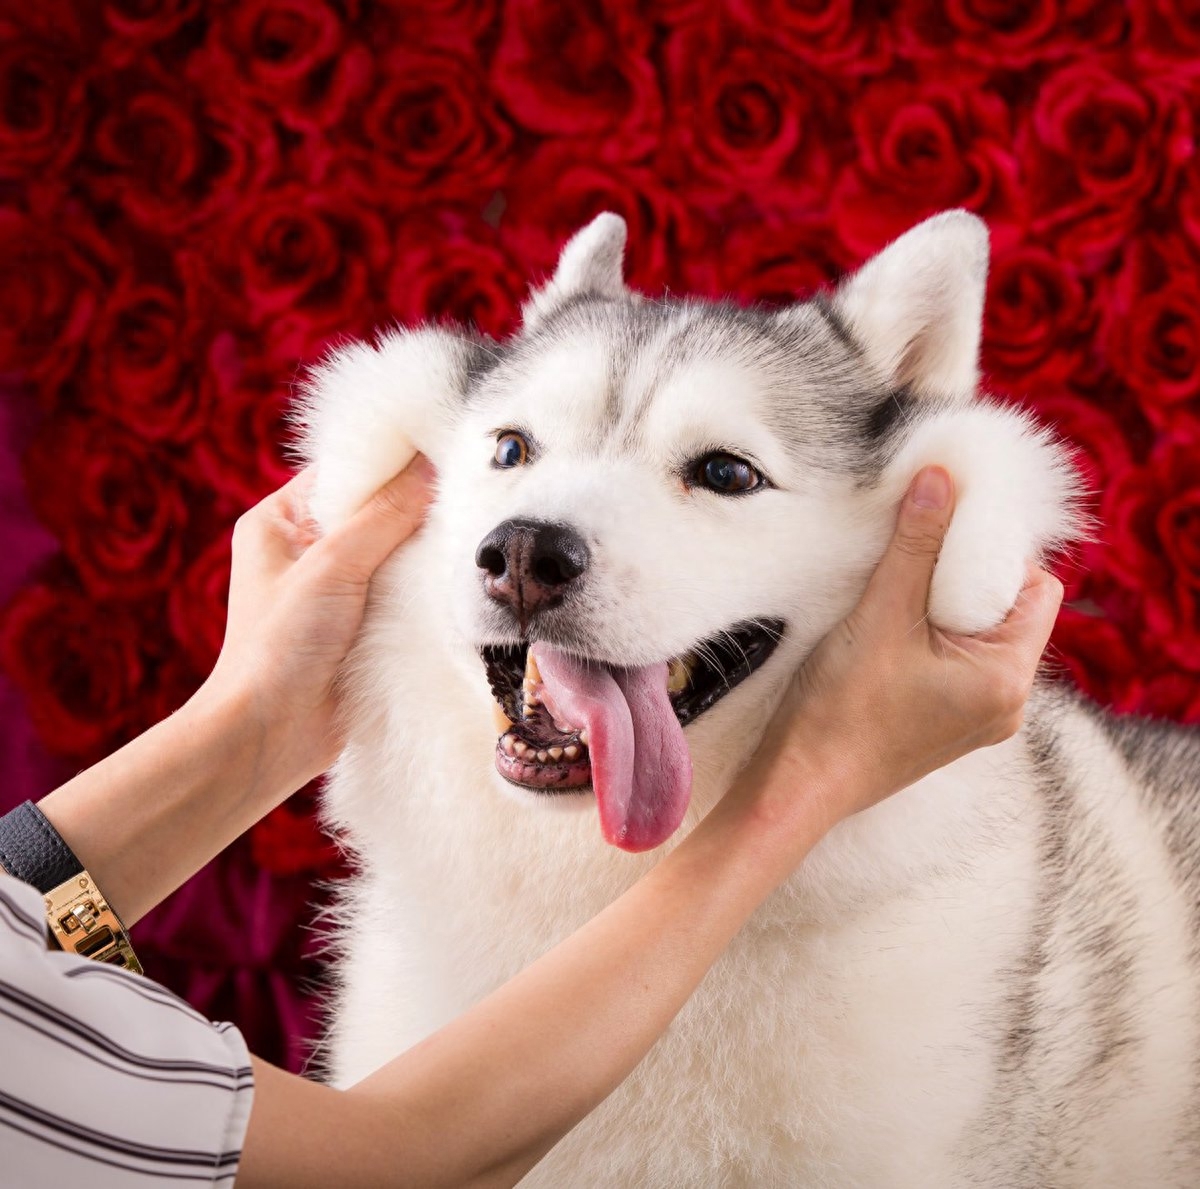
x,y
793,792
229,718
150,815
293,730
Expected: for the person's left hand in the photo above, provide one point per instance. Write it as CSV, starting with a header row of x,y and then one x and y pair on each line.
x,y
296,601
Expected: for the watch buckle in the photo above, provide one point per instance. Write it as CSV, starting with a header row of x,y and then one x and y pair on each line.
x,y
83,923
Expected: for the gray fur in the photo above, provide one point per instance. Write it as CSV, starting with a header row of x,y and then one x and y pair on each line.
x,y
1049,889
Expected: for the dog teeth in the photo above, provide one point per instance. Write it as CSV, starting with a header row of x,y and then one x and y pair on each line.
x,y
679,673
519,749
531,668
583,738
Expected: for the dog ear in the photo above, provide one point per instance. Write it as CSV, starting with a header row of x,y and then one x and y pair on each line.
x,y
590,265
367,408
916,309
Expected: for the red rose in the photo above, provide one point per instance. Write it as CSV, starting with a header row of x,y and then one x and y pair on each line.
x,y
166,158
1008,34
580,70
1100,451
1035,320
294,58
1102,150
740,117
145,21
455,23
198,603
669,13
304,250
242,454
142,366
1165,695
50,286
117,507
454,269
1152,327
1153,516
78,665
1166,34
555,194
777,262
288,841
923,148
432,129
1188,204
41,103
851,36
1097,652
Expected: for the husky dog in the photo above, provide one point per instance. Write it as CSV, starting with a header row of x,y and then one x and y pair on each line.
x,y
989,979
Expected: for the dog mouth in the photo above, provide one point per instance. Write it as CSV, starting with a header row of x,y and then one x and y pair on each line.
x,y
575,724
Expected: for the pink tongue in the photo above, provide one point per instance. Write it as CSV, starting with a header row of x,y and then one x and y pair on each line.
x,y
641,768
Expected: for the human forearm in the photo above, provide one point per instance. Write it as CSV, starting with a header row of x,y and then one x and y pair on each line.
x,y
486,1097
264,723
150,815
879,705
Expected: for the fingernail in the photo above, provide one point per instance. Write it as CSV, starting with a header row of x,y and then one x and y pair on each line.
x,y
931,488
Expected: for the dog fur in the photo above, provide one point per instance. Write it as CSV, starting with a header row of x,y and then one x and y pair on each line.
x,y
989,979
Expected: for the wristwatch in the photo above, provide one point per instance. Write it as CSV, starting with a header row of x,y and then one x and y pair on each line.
x,y
78,915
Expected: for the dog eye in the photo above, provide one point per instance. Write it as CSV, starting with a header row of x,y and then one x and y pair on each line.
x,y
726,474
512,450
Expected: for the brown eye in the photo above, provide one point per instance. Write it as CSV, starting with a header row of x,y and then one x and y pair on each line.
x,y
511,450
726,474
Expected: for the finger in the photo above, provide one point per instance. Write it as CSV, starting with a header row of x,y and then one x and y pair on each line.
x,y
901,580
275,530
1030,622
289,500
385,522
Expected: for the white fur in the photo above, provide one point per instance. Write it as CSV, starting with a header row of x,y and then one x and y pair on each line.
x,y
843,1039
917,307
591,263
401,391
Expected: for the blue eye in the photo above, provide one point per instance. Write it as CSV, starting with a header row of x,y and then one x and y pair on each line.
x,y
511,450
726,474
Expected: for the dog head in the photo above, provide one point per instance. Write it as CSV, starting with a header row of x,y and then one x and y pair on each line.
x,y
650,511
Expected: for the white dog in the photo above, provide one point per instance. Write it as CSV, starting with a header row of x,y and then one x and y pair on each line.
x,y
989,979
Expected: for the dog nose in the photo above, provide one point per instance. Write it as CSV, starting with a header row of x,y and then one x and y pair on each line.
x,y
528,565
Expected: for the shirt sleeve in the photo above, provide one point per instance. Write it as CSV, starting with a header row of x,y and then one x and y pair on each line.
x,y
107,1079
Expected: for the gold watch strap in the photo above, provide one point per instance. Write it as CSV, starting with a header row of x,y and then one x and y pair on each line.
x,y
83,923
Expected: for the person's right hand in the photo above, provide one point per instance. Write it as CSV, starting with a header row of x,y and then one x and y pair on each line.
x,y
296,602
886,697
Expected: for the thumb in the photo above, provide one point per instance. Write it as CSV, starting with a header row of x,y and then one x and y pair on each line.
x,y
385,521
903,576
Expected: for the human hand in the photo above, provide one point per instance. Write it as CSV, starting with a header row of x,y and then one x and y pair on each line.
x,y
296,601
886,697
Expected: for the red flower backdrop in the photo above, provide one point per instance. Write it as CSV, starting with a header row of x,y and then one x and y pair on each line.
x,y
198,197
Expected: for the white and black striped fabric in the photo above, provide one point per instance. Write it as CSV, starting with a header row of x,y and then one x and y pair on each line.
x,y
106,1078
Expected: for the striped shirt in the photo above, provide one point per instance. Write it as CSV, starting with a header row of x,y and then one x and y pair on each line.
x,y
106,1078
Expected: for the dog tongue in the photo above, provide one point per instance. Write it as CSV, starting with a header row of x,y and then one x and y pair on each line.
x,y
641,768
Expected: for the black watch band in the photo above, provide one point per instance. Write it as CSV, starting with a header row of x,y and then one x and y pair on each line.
x,y
32,850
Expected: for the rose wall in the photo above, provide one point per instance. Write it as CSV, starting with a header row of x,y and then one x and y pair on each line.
x,y
196,198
